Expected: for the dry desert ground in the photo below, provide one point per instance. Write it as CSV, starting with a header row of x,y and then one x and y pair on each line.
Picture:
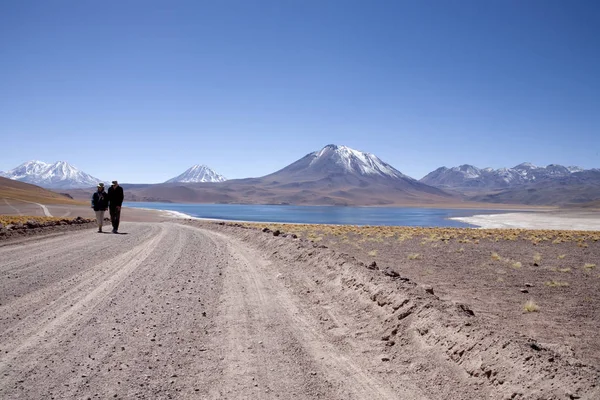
x,y
192,309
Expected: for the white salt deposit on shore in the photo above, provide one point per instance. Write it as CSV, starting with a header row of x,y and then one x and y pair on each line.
x,y
580,221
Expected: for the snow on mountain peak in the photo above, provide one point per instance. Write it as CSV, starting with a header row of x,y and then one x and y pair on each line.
x,y
198,173
354,161
502,177
526,165
60,174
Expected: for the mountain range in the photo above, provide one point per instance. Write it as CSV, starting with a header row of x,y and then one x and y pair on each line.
x,y
334,175
339,175
59,175
62,175
470,177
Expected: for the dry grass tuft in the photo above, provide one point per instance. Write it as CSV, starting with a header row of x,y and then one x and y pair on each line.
x,y
530,306
589,266
22,219
556,284
415,256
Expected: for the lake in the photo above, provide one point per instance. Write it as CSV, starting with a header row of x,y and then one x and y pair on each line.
x,y
391,216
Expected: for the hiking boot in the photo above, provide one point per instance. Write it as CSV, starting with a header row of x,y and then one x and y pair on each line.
x,y
115,231
100,230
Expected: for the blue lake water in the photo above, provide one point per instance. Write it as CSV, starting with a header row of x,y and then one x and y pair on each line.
x,y
394,216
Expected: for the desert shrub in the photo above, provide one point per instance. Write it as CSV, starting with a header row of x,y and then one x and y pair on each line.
x,y
530,306
556,284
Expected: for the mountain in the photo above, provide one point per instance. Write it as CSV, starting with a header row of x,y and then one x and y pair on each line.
x,y
580,189
342,161
198,173
470,178
334,175
59,175
15,191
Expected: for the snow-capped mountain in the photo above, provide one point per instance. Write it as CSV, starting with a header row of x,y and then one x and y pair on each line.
x,y
468,176
59,175
341,169
198,173
341,160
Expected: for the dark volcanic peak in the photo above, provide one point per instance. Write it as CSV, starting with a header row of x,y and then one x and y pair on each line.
x,y
60,174
198,173
341,160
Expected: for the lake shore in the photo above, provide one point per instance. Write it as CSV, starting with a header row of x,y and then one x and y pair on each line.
x,y
559,220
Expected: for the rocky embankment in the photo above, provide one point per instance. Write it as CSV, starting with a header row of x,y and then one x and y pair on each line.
x,y
37,226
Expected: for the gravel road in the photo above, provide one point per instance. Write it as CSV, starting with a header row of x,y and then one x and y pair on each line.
x,y
164,311
192,310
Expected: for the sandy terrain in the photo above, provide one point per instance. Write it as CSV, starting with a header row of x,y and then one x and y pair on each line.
x,y
569,220
202,310
15,207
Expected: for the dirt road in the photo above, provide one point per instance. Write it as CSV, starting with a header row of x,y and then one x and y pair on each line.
x,y
175,311
164,311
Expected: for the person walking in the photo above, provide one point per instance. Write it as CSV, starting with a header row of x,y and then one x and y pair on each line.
x,y
115,197
100,204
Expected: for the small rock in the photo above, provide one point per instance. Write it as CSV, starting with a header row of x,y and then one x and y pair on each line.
x,y
524,291
385,358
528,285
391,272
276,232
428,288
464,308
373,265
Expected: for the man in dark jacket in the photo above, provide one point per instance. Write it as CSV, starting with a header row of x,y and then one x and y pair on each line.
x,y
100,204
115,196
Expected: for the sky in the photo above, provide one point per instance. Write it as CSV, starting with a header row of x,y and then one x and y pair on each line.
x,y
140,91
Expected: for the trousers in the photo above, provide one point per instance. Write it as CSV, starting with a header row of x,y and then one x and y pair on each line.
x,y
115,217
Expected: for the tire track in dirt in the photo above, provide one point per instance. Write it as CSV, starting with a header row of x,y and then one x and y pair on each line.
x,y
73,305
13,207
267,323
439,346
135,329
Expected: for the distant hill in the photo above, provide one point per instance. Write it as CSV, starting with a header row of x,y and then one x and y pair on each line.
x,y
15,190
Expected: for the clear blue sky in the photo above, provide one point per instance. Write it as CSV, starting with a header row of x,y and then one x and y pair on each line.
x,y
141,90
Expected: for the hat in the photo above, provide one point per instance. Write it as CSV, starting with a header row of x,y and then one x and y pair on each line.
x,y
115,182
101,184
